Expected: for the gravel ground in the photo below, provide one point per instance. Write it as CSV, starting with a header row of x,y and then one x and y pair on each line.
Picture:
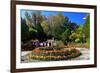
x,y
85,55
25,53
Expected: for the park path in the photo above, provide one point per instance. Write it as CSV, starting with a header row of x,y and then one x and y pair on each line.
x,y
85,54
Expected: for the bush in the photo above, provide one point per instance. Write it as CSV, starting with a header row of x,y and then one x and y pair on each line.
x,y
54,54
59,44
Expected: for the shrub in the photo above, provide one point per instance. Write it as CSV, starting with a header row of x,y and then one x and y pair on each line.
x,y
44,54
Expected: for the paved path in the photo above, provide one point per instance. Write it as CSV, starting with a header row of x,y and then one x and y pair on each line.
x,y
85,55
25,53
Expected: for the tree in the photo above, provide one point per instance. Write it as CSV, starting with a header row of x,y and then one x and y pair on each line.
x,y
46,27
81,37
33,22
65,36
32,32
86,27
77,36
27,15
70,25
37,18
56,25
40,33
24,30
28,19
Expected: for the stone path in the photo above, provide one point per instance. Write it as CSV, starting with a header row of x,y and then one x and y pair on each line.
x,y
85,55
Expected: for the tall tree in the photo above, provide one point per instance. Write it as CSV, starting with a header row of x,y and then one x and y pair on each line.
x,y
28,19
24,30
46,27
86,27
56,25
37,18
65,36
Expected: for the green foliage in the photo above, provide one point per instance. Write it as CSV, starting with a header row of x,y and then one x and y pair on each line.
x,y
88,42
32,32
31,29
74,36
27,15
54,26
40,33
59,43
86,27
77,36
46,27
24,30
57,31
70,25
65,36
86,30
36,17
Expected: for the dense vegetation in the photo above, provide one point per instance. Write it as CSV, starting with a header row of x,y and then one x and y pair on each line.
x,y
59,27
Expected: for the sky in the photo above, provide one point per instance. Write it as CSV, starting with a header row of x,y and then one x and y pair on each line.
x,y
76,17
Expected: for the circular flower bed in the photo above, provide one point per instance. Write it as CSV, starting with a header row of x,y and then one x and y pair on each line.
x,y
54,54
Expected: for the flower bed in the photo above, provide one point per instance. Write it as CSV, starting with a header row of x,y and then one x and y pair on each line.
x,y
54,54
